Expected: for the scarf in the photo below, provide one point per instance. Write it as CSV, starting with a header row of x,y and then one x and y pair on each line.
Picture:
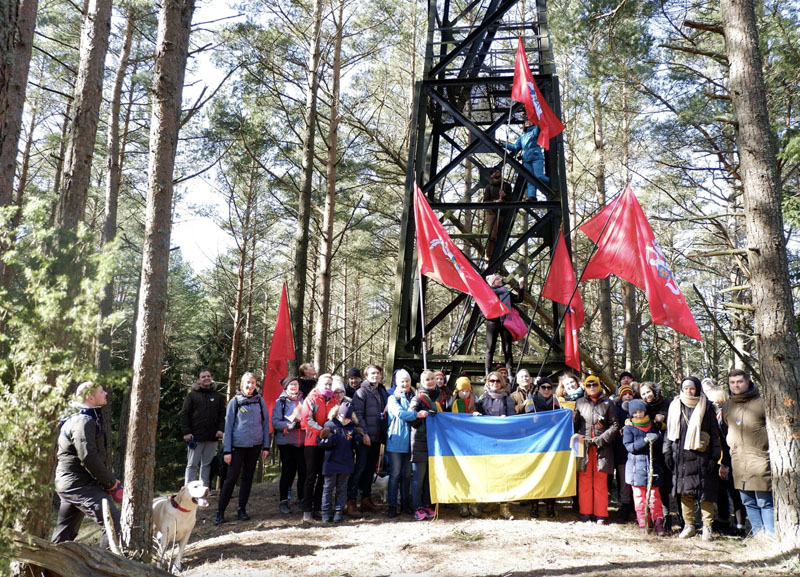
x,y
692,441
426,398
542,404
575,395
643,423
497,394
462,405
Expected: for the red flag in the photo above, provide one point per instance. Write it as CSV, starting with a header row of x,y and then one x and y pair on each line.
x,y
560,286
628,248
524,90
440,259
281,350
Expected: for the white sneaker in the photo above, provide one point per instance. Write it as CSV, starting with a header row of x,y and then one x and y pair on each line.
x,y
707,535
688,531
308,516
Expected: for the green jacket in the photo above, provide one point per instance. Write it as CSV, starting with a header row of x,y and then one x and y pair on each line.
x,y
747,438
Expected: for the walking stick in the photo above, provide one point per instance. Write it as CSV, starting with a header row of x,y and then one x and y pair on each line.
x,y
647,494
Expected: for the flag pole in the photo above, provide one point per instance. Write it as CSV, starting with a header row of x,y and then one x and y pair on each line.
x,y
422,325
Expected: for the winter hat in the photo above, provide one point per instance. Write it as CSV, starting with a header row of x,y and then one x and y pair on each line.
x,y
401,374
636,405
435,373
354,372
592,379
286,381
542,381
491,278
337,386
624,374
345,411
463,384
622,390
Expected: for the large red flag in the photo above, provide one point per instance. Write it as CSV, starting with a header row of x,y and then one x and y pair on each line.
x,y
560,286
524,90
627,247
281,350
440,259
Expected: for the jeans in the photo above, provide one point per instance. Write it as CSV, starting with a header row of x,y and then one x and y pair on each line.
x,y
420,491
366,465
399,477
201,456
537,169
335,484
760,510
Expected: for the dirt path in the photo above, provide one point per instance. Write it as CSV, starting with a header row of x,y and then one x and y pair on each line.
x,y
270,544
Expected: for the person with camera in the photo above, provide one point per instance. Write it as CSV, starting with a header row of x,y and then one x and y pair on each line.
x,y
202,423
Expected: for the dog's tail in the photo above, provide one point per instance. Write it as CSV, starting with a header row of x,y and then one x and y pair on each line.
x,y
111,531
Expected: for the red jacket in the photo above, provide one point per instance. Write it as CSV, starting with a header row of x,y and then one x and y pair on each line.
x,y
315,413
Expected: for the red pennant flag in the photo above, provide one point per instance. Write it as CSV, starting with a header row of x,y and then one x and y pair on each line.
x,y
281,350
440,259
524,90
560,287
628,248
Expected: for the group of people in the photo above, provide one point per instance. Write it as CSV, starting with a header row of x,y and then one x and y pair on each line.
x,y
707,446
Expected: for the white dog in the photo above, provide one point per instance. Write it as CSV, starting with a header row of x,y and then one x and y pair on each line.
x,y
174,518
380,485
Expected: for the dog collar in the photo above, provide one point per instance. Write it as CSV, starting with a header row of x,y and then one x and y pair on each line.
x,y
174,503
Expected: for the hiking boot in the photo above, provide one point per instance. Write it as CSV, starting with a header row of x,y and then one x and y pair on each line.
x,y
463,510
219,518
505,511
551,510
283,507
660,531
350,509
391,512
688,531
535,510
420,514
368,505
327,517
242,515
585,518
707,534
337,516
316,515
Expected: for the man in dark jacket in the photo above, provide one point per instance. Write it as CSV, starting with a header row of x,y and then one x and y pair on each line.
x,y
202,423
369,406
83,479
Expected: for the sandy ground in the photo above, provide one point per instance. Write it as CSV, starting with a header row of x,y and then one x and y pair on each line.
x,y
374,545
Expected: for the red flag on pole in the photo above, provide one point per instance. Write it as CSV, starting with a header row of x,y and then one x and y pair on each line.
x,y
628,248
440,259
524,90
281,350
560,286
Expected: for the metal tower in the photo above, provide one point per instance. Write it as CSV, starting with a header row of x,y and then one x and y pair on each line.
x,y
462,106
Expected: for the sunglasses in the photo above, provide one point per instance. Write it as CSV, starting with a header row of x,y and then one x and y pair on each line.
x,y
592,385
545,387
494,380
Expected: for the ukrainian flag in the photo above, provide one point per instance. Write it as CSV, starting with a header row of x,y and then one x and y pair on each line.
x,y
497,459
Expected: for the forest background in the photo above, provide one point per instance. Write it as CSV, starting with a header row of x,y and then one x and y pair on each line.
x,y
301,134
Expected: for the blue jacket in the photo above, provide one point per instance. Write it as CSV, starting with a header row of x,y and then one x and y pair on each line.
x,y
399,439
638,463
246,423
339,448
531,151
287,432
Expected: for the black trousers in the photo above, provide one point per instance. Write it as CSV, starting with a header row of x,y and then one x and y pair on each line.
x,y
494,327
312,494
293,463
243,461
75,504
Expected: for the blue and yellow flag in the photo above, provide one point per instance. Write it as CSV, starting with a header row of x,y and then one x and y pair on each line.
x,y
496,459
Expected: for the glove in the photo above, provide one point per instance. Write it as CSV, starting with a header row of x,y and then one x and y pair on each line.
x,y
325,433
290,426
590,442
116,492
650,438
359,431
599,442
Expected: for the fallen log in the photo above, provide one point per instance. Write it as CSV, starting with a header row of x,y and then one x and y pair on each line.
x,y
77,560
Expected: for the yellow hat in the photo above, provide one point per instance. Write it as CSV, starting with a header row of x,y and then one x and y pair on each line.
x,y
592,379
463,384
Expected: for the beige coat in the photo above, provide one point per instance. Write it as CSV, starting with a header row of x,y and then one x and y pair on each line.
x,y
747,438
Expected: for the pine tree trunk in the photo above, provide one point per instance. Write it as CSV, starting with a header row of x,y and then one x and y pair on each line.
x,y
329,214
114,177
86,107
633,352
778,350
16,44
298,289
172,49
606,321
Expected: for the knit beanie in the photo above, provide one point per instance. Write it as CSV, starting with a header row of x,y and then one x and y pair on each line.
x,y
622,390
463,384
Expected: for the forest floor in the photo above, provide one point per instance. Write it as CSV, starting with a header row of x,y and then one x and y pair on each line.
x,y
271,544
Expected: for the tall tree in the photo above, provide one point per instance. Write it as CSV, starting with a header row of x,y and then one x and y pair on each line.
x,y
86,115
172,50
298,296
778,350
